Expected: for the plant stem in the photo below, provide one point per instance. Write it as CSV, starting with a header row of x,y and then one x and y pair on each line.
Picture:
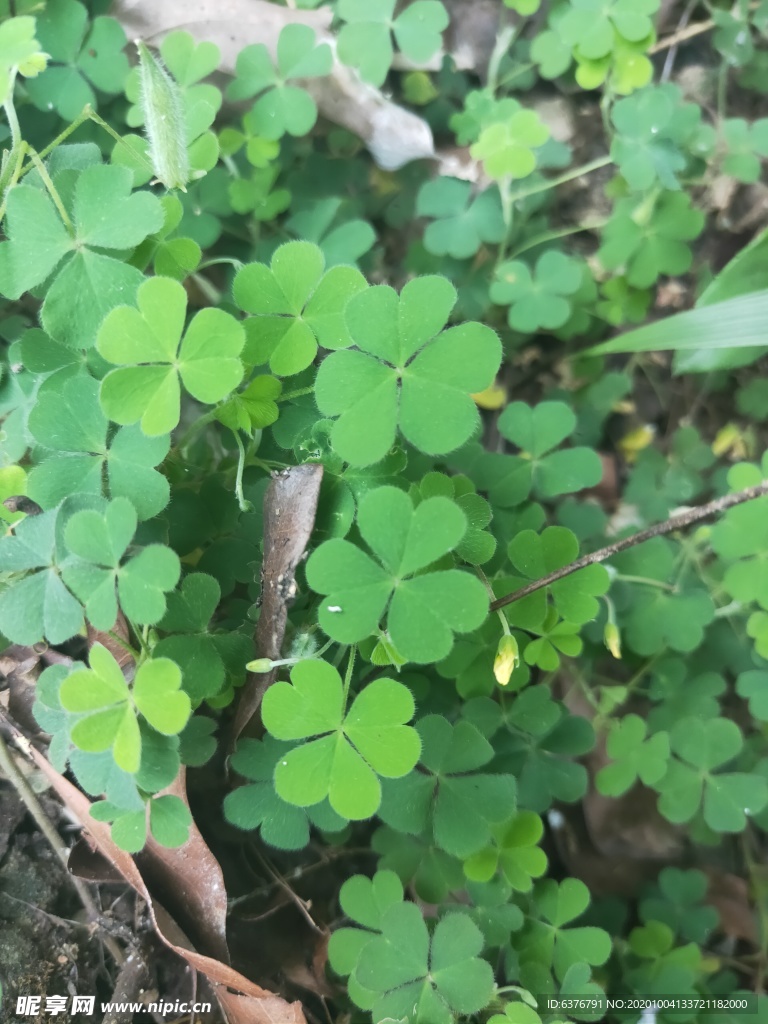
x,y
680,522
551,236
576,172
29,798
245,505
296,394
194,428
52,191
504,40
348,673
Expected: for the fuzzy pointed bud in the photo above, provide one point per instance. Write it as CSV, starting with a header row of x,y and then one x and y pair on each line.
x,y
507,659
261,665
164,123
612,639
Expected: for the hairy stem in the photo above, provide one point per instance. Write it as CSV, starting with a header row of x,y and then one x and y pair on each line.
x,y
680,522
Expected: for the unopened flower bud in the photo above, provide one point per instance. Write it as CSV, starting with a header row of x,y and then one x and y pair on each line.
x,y
612,639
260,665
507,659
164,122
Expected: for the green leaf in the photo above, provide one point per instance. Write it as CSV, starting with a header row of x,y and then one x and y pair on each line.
x,y
459,804
633,757
296,307
460,224
365,41
147,345
281,107
422,611
677,904
169,820
105,216
36,604
406,372
515,852
97,542
538,299
506,148
354,748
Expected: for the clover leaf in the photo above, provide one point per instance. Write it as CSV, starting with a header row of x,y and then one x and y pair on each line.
x,y
537,431
740,541
647,241
202,655
281,107
19,50
296,306
406,373
506,148
633,757
77,448
745,144
422,980
354,747
365,42
515,851
460,223
537,555
342,238
423,609
82,56
253,408
148,347
98,542
477,545
417,859
726,798
677,904
35,603
537,299
107,706
753,686
550,942
456,802
86,283
539,748
257,805
651,125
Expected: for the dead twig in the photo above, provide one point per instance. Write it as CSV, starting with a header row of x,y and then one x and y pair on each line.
x,y
681,522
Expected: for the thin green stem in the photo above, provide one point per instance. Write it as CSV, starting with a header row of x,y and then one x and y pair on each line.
x,y
237,264
52,191
576,172
61,137
551,236
194,428
242,501
5,187
648,582
348,673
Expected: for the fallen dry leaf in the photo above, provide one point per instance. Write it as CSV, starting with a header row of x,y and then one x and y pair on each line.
x,y
241,1000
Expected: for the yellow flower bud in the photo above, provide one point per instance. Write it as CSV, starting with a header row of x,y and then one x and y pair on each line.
x,y
261,665
612,639
507,659
164,123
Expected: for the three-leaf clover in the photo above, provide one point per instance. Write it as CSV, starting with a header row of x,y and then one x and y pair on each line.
x,y
478,544
258,805
36,604
537,298
76,448
147,345
365,41
633,757
537,431
281,107
677,903
87,283
82,56
202,655
406,373
506,148
515,851
691,780
423,609
98,541
295,307
107,706
460,223
354,747
550,942
458,804
422,980
650,241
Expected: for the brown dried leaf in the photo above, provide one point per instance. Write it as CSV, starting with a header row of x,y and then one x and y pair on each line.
x,y
290,506
247,1003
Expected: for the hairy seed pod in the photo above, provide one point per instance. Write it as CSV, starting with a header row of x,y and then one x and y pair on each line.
x,y
163,108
